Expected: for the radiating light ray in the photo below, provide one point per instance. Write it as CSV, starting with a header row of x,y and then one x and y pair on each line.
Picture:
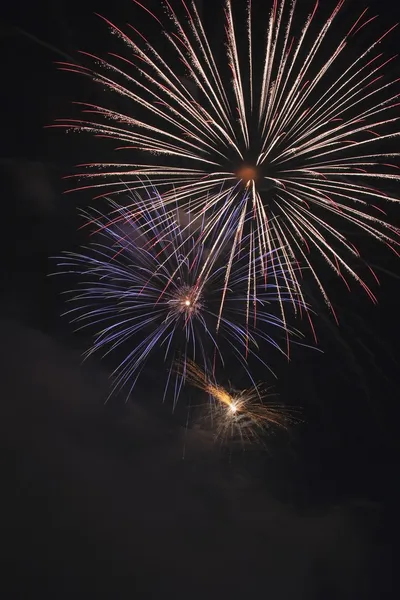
x,y
285,144
150,285
245,416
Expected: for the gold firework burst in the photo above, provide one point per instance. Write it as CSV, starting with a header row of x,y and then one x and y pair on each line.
x,y
244,416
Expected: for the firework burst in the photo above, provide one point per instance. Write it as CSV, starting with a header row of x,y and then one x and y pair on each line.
x,y
286,150
244,416
145,289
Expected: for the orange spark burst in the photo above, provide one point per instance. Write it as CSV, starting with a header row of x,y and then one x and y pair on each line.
x,y
242,416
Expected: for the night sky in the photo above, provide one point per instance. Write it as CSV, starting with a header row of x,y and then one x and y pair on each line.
x,y
122,499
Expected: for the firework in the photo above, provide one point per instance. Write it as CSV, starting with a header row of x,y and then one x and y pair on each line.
x,y
243,416
144,288
288,148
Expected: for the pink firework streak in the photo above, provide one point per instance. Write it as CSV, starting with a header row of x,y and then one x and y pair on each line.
x,y
286,150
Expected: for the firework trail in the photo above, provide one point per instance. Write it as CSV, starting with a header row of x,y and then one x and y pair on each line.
x,y
144,288
288,150
243,415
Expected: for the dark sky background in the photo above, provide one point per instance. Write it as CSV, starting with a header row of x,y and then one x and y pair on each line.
x,y
98,500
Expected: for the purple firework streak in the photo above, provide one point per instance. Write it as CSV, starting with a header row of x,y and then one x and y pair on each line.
x,y
146,283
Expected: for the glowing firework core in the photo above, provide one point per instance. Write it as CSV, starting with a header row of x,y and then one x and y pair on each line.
x,y
247,174
220,394
186,300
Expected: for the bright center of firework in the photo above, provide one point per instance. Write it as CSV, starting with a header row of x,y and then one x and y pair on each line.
x,y
187,300
247,174
233,408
